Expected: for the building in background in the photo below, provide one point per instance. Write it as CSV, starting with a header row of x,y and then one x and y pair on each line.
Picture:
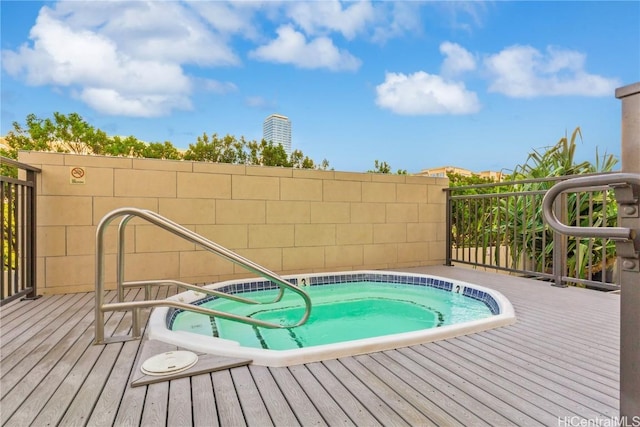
x,y
443,170
277,129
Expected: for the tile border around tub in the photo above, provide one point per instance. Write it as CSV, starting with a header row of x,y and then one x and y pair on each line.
x,y
262,285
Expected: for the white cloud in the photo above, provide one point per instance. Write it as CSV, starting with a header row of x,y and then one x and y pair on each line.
x,y
161,30
119,58
234,17
110,101
457,59
398,19
421,93
318,17
464,15
215,86
525,72
291,47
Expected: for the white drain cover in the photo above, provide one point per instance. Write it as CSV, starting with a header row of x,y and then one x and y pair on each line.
x,y
170,362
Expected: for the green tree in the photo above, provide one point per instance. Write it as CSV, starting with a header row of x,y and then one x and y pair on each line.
x,y
158,150
72,134
266,153
127,147
383,167
528,233
380,167
215,149
65,133
299,160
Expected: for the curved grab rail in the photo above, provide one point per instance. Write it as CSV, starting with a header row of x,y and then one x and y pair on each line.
x,y
190,235
615,233
178,230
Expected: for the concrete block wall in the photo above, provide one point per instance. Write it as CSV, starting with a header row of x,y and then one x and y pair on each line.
x,y
288,220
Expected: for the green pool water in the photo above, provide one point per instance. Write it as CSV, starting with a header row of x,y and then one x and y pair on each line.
x,y
342,312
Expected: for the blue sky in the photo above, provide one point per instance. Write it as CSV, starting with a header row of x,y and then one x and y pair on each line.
x,y
416,84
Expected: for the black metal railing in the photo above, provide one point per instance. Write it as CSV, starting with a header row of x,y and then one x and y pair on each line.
x,y
18,237
500,226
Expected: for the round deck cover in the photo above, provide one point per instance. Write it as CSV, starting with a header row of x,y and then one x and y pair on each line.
x,y
170,362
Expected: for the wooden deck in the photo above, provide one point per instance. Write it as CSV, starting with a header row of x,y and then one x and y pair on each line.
x,y
560,360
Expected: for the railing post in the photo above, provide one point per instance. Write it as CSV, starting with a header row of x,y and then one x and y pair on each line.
x,y
630,270
31,228
449,220
560,245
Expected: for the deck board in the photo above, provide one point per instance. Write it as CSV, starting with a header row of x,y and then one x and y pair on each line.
x,y
227,401
275,401
306,413
560,359
328,408
204,405
253,408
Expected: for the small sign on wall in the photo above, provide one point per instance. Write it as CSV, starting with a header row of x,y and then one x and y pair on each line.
x,y
77,175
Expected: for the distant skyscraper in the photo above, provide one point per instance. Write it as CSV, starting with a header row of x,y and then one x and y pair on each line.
x,y
277,128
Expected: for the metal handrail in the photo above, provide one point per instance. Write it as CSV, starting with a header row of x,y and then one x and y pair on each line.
x,y
180,231
614,233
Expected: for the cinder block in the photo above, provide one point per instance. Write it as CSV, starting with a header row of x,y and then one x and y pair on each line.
x,y
413,252
368,213
422,232
419,179
203,263
56,180
70,270
219,168
301,189
432,213
162,165
342,191
103,205
389,233
353,176
230,236
301,258
144,183
81,240
269,258
402,212
354,234
269,171
151,266
64,210
343,256
271,236
315,234
288,212
411,193
387,177
240,212
39,158
313,174
149,238
378,192
380,254
51,241
437,251
98,161
204,185
436,195
244,187
330,212
188,211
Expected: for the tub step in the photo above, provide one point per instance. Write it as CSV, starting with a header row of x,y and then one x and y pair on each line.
x,y
206,363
